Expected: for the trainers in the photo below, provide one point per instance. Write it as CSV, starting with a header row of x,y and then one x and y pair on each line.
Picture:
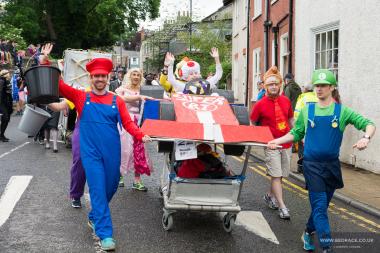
x,y
308,243
76,203
4,139
271,202
121,181
108,244
91,225
139,186
284,213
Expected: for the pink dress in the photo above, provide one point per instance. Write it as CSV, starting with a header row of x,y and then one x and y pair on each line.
x,y
134,155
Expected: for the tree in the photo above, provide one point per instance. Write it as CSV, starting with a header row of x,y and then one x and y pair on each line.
x,y
77,24
9,32
205,36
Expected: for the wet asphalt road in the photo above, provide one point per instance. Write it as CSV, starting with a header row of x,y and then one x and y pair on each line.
x,y
44,221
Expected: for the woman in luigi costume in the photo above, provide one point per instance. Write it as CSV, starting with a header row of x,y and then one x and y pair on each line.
x,y
322,124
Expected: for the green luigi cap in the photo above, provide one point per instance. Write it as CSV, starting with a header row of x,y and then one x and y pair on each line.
x,y
323,76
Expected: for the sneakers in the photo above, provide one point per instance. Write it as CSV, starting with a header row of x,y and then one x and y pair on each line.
x,y
271,202
108,244
91,225
4,139
139,186
76,203
121,181
284,213
308,243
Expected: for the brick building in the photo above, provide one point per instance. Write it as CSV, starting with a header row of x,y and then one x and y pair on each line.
x,y
271,39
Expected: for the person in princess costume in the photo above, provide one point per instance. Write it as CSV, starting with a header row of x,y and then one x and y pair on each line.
x,y
133,155
190,74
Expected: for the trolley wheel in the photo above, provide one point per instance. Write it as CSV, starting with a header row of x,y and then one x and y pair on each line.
x,y
229,222
167,221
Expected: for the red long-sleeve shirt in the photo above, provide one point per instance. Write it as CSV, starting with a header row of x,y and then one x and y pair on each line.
x,y
78,97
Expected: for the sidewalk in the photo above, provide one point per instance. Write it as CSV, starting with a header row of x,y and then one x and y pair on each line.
x,y
361,187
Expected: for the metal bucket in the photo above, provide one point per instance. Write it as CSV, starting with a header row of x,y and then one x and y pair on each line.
x,y
33,119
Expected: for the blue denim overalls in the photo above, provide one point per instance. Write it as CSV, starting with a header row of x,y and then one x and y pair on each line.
x,y
100,154
322,168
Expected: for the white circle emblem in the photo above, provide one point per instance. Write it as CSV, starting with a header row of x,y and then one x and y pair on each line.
x,y
322,76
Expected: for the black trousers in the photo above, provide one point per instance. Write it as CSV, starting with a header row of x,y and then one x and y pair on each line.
x,y
5,118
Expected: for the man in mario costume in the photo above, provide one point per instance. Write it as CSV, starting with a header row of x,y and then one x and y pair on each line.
x,y
100,113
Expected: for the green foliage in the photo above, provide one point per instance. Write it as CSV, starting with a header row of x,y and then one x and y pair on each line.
x,y
77,24
206,36
9,32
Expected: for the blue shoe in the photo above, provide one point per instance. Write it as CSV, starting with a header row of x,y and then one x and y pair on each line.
x,y
307,241
108,244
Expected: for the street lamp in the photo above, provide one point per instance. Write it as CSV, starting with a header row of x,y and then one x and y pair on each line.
x,y
191,20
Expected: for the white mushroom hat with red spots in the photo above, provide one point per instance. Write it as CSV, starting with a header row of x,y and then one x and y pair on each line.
x,y
190,66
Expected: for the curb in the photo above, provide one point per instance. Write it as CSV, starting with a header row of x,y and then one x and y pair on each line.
x,y
345,199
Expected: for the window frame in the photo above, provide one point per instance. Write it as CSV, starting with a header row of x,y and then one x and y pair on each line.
x,y
324,49
284,37
256,70
257,11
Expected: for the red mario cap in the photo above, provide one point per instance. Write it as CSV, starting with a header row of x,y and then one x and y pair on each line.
x,y
99,66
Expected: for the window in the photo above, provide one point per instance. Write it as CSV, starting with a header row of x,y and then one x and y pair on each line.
x,y
257,8
327,50
256,72
284,54
134,61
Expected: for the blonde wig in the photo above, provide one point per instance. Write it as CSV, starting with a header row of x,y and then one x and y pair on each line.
x,y
127,80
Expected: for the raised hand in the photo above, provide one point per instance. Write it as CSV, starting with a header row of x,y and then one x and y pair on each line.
x,y
214,52
169,59
46,49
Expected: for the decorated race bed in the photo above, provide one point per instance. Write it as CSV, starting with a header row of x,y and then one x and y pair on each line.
x,y
195,177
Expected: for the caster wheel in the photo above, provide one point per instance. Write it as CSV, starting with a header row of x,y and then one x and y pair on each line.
x,y
229,222
160,191
167,221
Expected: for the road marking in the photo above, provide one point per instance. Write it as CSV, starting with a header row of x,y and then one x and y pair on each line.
x,y
333,207
12,193
14,149
256,223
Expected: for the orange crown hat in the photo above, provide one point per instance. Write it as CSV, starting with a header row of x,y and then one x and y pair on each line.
x,y
272,76
99,66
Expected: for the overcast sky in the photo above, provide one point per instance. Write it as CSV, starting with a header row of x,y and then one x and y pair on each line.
x,y
169,10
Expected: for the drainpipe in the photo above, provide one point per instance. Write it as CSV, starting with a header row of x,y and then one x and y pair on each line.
x,y
290,70
267,25
275,31
247,53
